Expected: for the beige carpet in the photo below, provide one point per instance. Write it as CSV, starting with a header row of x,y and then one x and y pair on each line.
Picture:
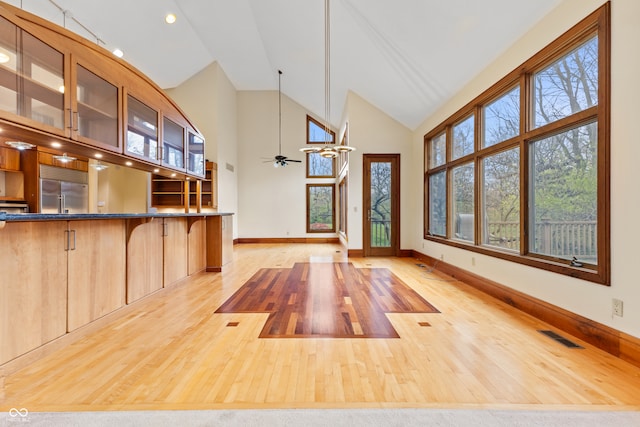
x,y
326,417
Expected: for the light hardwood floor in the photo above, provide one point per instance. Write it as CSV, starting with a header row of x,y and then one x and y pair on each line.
x,y
174,352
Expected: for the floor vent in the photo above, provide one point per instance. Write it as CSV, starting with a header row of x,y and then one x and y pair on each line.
x,y
424,323
562,340
232,324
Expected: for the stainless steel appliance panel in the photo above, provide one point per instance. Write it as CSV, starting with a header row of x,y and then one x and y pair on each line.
x,y
50,197
63,197
75,197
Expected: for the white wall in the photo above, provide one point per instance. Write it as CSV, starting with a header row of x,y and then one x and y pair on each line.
x,y
272,201
587,299
371,131
209,100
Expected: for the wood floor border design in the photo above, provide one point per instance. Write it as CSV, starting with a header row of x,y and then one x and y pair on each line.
x,y
614,342
326,300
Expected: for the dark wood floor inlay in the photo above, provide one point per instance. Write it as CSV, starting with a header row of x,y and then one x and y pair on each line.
x,y
333,300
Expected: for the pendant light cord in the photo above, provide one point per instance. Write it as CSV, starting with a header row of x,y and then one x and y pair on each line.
x,y
327,69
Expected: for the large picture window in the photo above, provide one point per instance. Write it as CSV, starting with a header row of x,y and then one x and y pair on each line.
x,y
527,178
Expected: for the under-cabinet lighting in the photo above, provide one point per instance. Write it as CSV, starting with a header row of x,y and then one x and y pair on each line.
x,y
20,145
156,170
98,155
99,166
64,158
129,163
170,18
173,175
4,58
56,145
118,52
61,89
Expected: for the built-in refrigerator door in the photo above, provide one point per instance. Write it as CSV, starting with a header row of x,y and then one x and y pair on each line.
x,y
50,196
75,197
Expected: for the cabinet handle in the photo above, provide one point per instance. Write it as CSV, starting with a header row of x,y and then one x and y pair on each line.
x,y
70,118
76,121
66,240
165,230
74,240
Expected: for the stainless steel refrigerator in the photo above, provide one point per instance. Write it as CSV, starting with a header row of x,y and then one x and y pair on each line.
x,y
63,190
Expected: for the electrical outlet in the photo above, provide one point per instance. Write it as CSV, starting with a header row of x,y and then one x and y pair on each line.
x,y
473,261
617,307
441,257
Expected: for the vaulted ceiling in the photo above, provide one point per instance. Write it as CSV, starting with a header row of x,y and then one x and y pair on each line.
x,y
407,57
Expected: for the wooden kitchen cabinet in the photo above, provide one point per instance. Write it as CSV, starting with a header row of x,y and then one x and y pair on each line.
x,y
144,257
97,270
33,286
219,241
9,159
175,244
58,84
197,241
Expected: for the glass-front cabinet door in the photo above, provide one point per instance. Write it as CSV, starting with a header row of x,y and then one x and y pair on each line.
x,y
172,144
32,85
95,111
195,153
142,130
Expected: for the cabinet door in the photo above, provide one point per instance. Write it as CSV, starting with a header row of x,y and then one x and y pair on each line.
x,y
97,270
33,286
195,153
141,136
95,108
175,250
32,85
197,245
9,159
144,258
173,145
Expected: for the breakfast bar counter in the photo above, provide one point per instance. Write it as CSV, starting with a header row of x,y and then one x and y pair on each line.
x,y
61,272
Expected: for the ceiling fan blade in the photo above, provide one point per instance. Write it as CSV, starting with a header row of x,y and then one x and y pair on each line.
x,y
291,160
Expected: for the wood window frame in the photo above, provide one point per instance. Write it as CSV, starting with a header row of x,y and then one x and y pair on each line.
x,y
597,23
333,208
334,161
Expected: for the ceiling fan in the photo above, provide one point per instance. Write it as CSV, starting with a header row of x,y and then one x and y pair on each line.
x,y
280,160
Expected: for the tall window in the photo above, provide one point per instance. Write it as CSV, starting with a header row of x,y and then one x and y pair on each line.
x,y
318,166
527,178
321,208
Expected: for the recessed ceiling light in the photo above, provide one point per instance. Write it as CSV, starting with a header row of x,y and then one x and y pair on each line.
x,y
156,170
56,145
117,52
129,163
98,155
170,18
173,175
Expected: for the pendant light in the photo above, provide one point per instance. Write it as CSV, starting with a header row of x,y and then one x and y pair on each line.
x,y
328,149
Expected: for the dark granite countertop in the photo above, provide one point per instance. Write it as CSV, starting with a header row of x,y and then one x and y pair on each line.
x,y
65,217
